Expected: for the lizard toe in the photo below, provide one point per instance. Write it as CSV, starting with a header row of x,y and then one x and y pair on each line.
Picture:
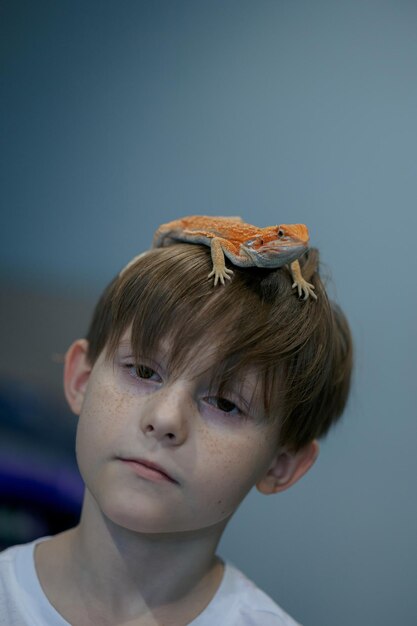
x,y
220,275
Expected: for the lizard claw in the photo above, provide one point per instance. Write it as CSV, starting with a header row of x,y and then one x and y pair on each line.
x,y
220,275
304,288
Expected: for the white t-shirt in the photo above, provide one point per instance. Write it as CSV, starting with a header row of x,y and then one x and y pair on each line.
x,y
237,602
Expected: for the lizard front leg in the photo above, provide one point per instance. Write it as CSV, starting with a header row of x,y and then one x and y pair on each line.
x,y
219,271
303,287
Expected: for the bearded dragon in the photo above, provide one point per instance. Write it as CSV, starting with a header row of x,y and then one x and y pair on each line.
x,y
243,244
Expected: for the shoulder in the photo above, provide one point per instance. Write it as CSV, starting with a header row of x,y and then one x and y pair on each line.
x,y
10,587
22,601
240,602
8,563
254,604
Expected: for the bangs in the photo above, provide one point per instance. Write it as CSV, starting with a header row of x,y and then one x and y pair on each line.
x,y
165,297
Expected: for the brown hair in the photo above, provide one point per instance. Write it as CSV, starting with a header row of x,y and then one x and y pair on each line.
x,y
302,349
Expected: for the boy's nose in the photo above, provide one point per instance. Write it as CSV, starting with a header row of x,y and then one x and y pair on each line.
x,y
166,417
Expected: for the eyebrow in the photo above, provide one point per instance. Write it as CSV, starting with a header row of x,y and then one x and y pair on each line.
x,y
124,343
127,343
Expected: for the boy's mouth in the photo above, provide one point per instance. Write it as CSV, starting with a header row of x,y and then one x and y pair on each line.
x,y
148,469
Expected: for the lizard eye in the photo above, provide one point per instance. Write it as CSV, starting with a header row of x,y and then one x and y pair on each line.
x,y
280,232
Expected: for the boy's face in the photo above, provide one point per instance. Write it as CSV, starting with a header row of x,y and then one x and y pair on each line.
x,y
210,450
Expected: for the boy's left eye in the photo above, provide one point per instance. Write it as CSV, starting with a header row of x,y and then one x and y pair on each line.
x,y
223,404
143,371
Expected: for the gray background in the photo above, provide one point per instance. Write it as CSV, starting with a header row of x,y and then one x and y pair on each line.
x,y
118,116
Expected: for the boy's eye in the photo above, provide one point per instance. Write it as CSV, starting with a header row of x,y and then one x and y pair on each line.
x,y
226,405
223,404
143,371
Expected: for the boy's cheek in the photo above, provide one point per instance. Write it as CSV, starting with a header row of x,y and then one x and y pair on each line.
x,y
226,488
103,403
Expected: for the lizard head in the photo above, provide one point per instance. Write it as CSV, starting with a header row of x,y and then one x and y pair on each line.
x,y
275,246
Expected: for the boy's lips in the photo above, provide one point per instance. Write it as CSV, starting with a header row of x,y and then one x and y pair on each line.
x,y
148,469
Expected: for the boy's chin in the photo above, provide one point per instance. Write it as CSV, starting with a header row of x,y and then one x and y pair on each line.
x,y
146,514
141,525
149,522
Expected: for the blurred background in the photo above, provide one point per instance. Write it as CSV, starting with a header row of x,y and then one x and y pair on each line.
x,y
117,116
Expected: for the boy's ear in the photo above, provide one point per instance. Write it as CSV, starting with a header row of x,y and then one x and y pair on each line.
x,y
77,371
287,468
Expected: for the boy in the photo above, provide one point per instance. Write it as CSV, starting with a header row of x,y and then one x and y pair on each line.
x,y
187,396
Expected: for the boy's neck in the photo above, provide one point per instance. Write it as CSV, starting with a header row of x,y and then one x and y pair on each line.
x,y
133,573
143,557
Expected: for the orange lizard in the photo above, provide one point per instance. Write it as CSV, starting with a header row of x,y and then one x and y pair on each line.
x,y
243,244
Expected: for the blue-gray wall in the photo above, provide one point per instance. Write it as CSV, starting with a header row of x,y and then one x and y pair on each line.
x,y
118,116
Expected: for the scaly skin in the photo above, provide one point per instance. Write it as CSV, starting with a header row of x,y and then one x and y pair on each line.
x,y
243,244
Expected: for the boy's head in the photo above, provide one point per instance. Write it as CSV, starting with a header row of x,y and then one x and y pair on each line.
x,y
202,391
301,350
